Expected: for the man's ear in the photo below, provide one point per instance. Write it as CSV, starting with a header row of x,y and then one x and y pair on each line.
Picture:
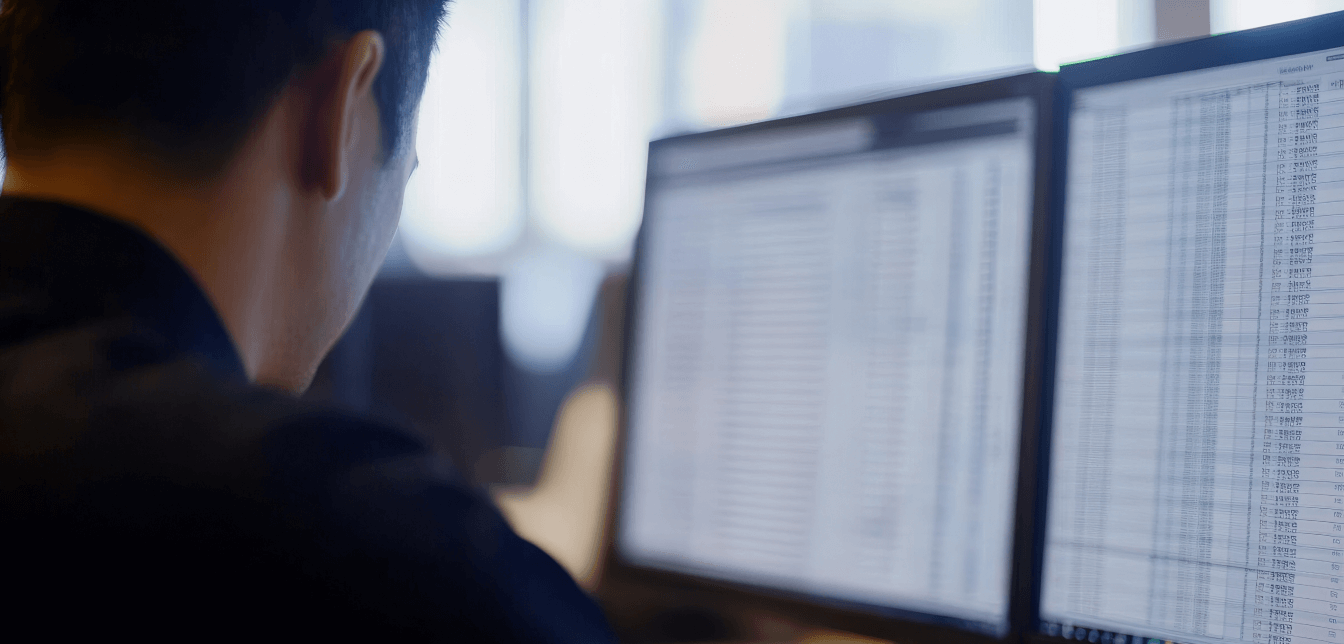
x,y
341,83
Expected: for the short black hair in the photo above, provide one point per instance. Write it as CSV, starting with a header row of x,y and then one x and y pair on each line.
x,y
188,78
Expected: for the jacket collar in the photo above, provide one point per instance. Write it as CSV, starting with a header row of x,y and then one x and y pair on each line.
x,y
77,265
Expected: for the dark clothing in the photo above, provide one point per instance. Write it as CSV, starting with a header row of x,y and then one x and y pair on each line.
x,y
147,489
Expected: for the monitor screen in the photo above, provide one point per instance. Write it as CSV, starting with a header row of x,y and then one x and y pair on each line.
x,y
826,375
1197,473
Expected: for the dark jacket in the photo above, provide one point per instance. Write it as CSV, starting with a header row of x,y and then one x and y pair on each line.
x,y
147,489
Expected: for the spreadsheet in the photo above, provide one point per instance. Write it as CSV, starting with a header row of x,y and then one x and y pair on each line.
x,y
826,380
1196,487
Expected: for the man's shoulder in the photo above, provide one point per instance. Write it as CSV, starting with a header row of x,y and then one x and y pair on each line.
x,y
150,467
109,382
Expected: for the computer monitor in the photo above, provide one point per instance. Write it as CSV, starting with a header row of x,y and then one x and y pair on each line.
x,y
826,357
1196,486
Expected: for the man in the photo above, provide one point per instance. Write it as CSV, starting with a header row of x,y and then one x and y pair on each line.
x,y
198,194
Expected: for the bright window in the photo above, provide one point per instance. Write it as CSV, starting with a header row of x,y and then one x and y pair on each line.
x,y
733,67
1233,15
464,200
1068,31
526,146
593,101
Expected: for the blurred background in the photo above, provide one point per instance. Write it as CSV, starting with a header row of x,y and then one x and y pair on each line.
x,y
494,326
537,113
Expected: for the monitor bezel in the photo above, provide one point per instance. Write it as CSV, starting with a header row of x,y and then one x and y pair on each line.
x,y
1210,52
619,576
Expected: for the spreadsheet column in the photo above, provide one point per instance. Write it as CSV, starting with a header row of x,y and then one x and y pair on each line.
x,y
1299,489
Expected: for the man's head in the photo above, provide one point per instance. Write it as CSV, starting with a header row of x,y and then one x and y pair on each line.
x,y
267,143
187,78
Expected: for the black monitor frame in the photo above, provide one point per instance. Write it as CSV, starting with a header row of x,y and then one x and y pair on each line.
x,y
1287,39
622,579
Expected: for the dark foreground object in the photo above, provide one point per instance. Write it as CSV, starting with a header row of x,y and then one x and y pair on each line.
x,y
146,488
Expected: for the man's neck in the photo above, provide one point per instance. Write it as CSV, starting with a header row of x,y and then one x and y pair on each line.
x,y
228,232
